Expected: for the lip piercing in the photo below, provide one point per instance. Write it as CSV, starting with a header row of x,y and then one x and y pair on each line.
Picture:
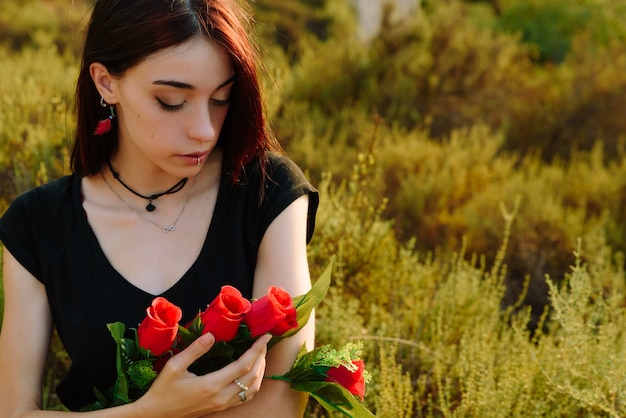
x,y
198,158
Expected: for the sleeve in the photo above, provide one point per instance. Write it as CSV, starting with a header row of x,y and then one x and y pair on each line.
x,y
17,235
286,182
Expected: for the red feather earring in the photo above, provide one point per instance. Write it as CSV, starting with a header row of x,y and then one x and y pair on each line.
x,y
104,125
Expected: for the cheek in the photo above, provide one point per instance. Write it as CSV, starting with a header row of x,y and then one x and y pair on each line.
x,y
153,125
218,117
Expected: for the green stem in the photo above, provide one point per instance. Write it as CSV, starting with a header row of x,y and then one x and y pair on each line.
x,y
278,377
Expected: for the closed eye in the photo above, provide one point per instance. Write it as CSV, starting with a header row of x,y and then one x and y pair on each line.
x,y
168,107
219,102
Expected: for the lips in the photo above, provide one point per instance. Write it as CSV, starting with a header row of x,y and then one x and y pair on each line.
x,y
195,158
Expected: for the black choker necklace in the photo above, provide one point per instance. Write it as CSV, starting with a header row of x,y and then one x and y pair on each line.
x,y
150,207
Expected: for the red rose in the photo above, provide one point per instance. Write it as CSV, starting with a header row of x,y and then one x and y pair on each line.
x,y
273,313
158,330
223,316
354,381
160,362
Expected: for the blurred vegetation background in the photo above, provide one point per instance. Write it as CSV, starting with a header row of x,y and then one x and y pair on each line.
x,y
470,158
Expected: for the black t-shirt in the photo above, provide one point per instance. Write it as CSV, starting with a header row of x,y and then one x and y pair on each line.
x,y
46,230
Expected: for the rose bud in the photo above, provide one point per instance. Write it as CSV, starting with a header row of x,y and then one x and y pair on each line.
x,y
223,316
273,313
353,381
157,332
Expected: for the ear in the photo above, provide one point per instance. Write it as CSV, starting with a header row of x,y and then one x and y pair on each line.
x,y
104,82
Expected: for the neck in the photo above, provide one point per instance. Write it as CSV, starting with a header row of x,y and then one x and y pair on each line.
x,y
152,196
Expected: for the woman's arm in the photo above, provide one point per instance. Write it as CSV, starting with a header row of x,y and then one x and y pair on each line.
x,y
24,344
24,339
282,261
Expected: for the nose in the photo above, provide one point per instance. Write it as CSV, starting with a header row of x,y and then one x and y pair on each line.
x,y
202,125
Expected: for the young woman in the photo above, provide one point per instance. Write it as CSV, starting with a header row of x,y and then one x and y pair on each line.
x,y
177,189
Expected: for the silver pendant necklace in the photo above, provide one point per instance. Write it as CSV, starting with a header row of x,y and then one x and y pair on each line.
x,y
164,228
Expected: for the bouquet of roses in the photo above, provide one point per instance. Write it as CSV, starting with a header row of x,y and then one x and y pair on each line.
x,y
331,377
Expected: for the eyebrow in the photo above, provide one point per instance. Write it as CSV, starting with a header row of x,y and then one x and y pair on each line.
x,y
181,85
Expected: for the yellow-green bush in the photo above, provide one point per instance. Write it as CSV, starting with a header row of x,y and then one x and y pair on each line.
x,y
419,143
443,69
36,122
444,191
23,22
437,321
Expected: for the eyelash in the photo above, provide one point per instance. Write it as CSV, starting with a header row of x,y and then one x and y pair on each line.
x,y
168,107
174,108
221,102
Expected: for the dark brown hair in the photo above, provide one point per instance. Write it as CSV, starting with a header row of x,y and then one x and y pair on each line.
x,y
121,33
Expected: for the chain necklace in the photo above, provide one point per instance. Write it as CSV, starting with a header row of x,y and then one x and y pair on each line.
x,y
164,228
150,206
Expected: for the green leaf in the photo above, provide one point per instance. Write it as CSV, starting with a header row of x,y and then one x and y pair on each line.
x,y
120,391
303,369
117,330
187,335
335,398
305,304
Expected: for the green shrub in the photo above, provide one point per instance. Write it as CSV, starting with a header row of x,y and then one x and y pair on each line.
x,y
550,25
419,143
36,123
446,191
437,321
445,69
23,22
287,23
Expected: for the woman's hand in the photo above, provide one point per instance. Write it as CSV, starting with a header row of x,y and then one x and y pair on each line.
x,y
179,393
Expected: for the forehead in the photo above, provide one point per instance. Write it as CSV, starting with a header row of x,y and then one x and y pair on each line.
x,y
198,61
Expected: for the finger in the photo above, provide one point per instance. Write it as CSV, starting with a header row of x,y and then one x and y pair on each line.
x,y
200,346
262,341
250,383
247,361
258,349
253,379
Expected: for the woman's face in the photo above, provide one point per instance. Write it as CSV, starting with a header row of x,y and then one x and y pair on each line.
x,y
171,107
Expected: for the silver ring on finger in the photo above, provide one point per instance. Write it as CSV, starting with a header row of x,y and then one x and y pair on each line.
x,y
241,385
242,395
